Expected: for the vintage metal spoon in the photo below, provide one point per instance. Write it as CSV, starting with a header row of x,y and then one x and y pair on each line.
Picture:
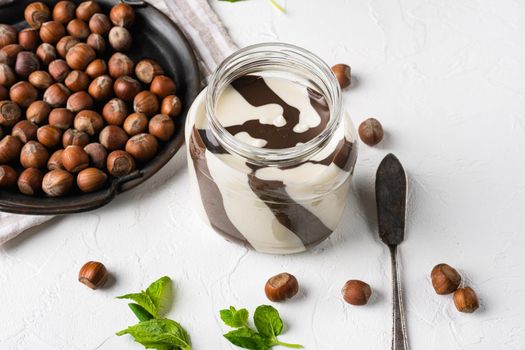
x,y
391,198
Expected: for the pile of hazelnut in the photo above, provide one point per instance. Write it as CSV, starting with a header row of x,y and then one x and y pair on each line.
x,y
74,108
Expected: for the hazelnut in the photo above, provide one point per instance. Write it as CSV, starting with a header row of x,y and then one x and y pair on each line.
x,y
126,88
343,75
79,101
38,112
77,81
57,182
74,159
40,79
8,176
466,300
99,24
445,279
115,111
10,147
8,35
4,95
48,135
120,163
55,161
281,287
30,181
356,292
47,53
25,131
61,118
64,11
97,155
75,138
80,55
171,106
9,52
97,68
97,42
23,93
89,122
87,9
59,70
162,86
10,113
147,69
371,131
120,39
119,65
135,124
79,29
93,274
65,44
91,179
7,76
162,127
142,147
29,38
101,88
26,63
33,155
52,32
56,95
113,137
147,103
36,14
122,15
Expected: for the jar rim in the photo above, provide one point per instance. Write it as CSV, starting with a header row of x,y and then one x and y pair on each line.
x,y
279,54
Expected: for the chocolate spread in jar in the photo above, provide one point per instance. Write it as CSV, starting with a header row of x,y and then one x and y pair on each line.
x,y
274,209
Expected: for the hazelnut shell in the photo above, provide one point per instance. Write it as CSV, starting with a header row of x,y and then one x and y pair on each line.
x,y
281,287
356,292
120,163
445,279
57,183
466,300
91,179
30,181
93,274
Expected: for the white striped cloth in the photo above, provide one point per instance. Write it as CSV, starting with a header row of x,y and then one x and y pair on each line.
x,y
211,43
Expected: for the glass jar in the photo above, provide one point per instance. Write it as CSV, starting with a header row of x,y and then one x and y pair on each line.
x,y
279,185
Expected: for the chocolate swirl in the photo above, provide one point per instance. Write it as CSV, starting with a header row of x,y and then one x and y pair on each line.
x,y
257,93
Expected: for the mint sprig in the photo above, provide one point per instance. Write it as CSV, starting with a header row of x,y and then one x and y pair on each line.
x,y
153,331
267,322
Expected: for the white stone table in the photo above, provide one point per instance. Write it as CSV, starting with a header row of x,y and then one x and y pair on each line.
x,y
447,80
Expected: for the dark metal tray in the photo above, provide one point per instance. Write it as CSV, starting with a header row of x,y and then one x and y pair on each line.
x,y
154,36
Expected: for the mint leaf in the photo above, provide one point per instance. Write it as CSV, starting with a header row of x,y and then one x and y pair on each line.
x,y
154,299
158,334
143,300
268,321
140,312
234,318
246,338
160,292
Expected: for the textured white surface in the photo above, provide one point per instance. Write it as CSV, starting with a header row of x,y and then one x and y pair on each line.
x,y
446,80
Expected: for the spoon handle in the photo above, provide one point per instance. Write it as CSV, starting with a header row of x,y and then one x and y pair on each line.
x,y
399,332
